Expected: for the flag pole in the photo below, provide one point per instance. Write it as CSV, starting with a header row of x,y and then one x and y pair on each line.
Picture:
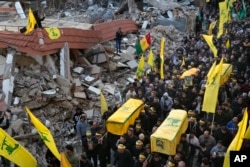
x,y
212,124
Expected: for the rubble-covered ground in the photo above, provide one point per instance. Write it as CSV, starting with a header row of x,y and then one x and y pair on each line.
x,y
53,98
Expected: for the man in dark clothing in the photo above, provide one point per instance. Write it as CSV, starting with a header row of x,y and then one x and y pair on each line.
x,y
38,19
123,157
118,40
90,147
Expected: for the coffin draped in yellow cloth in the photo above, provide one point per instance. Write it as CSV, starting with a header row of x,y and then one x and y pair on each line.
x,y
119,122
165,139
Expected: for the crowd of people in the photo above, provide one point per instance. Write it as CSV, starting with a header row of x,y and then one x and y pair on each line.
x,y
208,135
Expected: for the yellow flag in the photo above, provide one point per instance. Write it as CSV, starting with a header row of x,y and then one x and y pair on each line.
x,y
162,57
230,3
209,40
31,22
104,105
140,68
211,27
223,17
210,72
236,143
228,44
212,89
44,134
183,61
207,1
247,134
151,59
15,152
53,32
64,161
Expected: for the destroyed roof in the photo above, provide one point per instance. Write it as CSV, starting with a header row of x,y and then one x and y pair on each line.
x,y
76,38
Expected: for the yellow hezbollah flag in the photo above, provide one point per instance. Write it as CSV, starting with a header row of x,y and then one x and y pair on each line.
x,y
140,68
247,134
236,143
210,72
64,161
209,40
44,134
211,27
31,22
228,44
13,151
165,139
212,89
151,59
162,58
104,105
53,32
183,61
223,17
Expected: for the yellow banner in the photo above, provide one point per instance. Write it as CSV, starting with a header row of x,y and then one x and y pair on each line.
x,y
104,105
140,68
31,22
223,17
15,152
209,40
162,57
64,161
125,116
53,32
236,143
211,27
44,134
212,89
165,139
151,59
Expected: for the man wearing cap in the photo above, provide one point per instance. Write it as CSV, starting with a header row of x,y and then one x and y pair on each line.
x,y
122,157
102,148
166,104
89,145
137,149
141,160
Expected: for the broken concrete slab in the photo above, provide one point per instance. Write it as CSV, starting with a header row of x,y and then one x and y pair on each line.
x,y
95,69
81,95
132,64
78,70
99,58
94,90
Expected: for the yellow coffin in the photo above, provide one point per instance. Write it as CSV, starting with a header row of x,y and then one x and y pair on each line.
x,y
165,139
119,122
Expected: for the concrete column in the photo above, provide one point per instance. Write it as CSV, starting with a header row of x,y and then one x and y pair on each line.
x,y
65,62
8,76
